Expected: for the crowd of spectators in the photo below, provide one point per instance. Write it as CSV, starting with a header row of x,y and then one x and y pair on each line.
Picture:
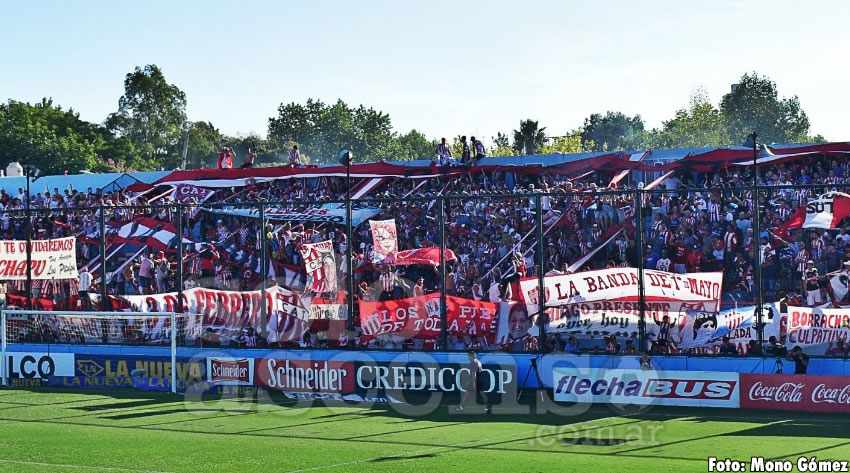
x,y
693,222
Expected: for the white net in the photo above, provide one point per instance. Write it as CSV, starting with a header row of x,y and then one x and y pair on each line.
x,y
113,328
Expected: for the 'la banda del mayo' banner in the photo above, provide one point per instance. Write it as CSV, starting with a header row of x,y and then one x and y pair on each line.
x,y
621,284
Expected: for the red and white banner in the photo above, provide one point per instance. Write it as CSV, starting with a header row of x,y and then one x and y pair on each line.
x,y
621,284
50,259
419,317
805,393
827,211
228,313
144,231
384,239
320,262
814,329
189,194
429,256
661,388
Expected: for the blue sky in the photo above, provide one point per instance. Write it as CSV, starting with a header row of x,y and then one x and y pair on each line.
x,y
445,68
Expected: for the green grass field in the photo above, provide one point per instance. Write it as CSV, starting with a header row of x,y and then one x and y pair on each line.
x,y
130,431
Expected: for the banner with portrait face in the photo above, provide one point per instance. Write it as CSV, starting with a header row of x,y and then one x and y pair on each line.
x,y
384,239
320,262
703,331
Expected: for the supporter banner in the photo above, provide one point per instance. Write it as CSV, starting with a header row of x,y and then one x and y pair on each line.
x,y
703,332
662,388
320,263
188,194
25,365
621,284
824,212
328,214
145,231
328,311
50,259
805,393
839,284
429,255
814,329
225,315
419,317
384,239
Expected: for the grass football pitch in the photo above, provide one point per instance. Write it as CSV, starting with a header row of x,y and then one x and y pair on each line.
x,y
130,431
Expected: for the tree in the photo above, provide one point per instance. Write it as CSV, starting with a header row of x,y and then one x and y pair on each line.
x,y
754,105
563,145
203,141
700,124
48,137
322,130
613,131
501,146
529,138
151,113
414,145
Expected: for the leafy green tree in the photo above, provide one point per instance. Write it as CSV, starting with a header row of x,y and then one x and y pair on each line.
x,y
613,131
151,113
413,145
563,145
203,142
755,105
700,124
46,136
529,138
322,130
501,146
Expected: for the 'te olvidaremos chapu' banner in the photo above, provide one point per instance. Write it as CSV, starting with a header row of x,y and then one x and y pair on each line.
x,y
51,259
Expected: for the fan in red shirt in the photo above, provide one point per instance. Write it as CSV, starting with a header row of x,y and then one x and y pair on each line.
x,y
225,155
680,255
695,260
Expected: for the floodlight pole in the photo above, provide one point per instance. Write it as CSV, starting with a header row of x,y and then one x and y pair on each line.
x,y
349,230
27,172
757,243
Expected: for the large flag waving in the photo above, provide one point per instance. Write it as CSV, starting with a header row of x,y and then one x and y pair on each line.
x,y
320,263
827,211
384,238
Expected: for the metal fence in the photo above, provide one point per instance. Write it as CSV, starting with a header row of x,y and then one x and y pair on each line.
x,y
254,246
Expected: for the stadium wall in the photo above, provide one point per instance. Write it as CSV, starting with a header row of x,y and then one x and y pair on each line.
x,y
517,365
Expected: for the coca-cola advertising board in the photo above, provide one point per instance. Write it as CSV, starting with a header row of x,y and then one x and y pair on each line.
x,y
809,393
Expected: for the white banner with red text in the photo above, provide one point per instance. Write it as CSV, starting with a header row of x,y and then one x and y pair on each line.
x,y
50,259
814,329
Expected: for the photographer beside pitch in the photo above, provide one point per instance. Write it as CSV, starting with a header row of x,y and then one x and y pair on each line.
x,y
476,383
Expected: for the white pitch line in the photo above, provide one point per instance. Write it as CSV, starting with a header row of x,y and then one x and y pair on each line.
x,y
434,449
82,467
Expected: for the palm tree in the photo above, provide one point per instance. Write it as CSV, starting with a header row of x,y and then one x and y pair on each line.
x,y
529,138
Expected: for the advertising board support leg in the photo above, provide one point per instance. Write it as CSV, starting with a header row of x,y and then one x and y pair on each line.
x,y
173,352
639,236
179,278
3,347
443,314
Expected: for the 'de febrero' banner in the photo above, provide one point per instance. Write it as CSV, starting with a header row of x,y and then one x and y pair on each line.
x,y
815,328
51,259
419,317
621,284
225,315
